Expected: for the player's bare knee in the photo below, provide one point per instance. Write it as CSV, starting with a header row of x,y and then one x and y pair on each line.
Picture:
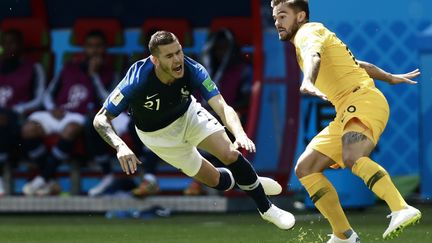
x,y
213,181
302,168
350,159
207,175
229,156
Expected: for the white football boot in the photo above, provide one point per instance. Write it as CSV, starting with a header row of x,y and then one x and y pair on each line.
x,y
282,219
30,188
400,220
354,238
49,189
270,186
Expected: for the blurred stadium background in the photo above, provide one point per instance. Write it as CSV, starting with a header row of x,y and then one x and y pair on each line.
x,y
395,35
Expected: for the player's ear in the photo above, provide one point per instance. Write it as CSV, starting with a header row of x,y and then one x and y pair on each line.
x,y
154,60
301,16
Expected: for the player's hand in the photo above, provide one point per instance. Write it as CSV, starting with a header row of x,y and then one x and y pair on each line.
x,y
310,89
404,78
128,160
244,142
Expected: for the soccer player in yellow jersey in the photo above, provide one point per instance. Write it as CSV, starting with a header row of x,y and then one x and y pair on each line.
x,y
331,72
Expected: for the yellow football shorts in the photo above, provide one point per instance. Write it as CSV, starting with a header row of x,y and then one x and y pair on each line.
x,y
366,104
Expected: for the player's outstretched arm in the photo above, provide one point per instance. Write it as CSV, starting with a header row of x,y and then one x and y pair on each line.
x,y
311,65
231,120
377,73
127,159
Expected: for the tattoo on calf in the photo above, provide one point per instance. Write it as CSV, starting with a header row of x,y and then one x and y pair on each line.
x,y
353,137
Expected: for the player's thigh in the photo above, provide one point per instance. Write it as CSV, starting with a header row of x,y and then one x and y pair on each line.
x,y
219,145
363,119
312,161
367,112
205,132
356,142
183,157
200,124
328,143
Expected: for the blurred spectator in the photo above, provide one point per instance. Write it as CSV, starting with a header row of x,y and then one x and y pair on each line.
x,y
70,99
22,84
223,60
228,68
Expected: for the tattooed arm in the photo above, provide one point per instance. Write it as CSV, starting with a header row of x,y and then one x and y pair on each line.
x,y
102,124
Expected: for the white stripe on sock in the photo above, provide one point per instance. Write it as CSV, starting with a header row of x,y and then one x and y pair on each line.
x,y
231,176
249,187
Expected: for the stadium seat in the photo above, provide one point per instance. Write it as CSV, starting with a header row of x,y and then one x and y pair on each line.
x,y
34,30
36,40
111,27
180,27
241,27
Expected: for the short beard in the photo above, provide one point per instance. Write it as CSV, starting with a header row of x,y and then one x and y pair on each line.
x,y
167,70
286,38
293,32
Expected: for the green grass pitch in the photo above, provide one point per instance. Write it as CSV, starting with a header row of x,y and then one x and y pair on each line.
x,y
202,228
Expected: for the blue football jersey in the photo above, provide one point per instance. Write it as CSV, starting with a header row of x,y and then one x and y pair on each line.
x,y
153,104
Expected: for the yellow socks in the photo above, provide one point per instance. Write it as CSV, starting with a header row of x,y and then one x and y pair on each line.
x,y
378,180
325,198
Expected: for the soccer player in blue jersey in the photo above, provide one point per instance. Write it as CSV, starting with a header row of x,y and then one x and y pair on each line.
x,y
169,121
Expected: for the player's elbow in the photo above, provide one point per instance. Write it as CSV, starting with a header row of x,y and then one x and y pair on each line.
x,y
99,120
363,64
96,121
102,117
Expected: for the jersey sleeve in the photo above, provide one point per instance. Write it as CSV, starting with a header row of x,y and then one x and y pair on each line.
x,y
118,100
310,40
201,79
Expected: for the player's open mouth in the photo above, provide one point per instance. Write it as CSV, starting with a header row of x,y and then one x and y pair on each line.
x,y
281,30
178,69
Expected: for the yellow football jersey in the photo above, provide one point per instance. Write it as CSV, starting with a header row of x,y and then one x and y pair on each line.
x,y
339,72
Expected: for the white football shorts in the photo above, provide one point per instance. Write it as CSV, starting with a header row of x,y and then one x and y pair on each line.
x,y
176,143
